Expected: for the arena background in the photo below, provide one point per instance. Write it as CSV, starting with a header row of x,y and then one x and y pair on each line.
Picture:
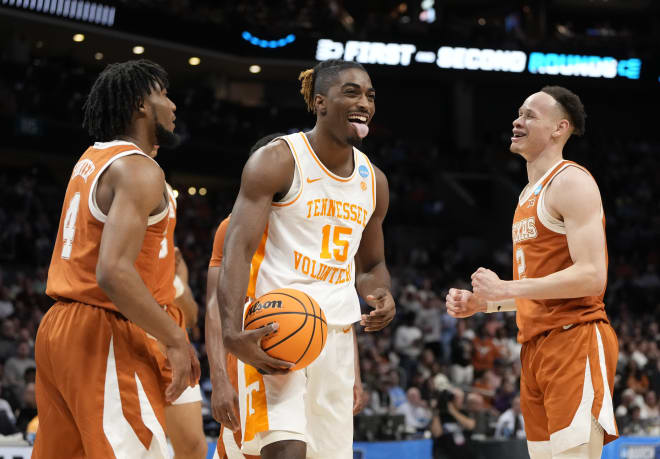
x,y
450,76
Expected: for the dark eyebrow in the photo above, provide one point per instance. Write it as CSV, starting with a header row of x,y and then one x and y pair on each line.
x,y
356,86
526,110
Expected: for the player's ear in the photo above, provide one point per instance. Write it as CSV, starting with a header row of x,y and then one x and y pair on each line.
x,y
320,104
563,127
142,108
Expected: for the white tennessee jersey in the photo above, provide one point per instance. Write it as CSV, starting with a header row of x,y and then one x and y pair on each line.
x,y
313,235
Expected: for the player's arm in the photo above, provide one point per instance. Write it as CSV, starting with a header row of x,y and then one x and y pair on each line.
x,y
137,187
373,277
185,300
463,303
268,171
224,400
574,196
358,389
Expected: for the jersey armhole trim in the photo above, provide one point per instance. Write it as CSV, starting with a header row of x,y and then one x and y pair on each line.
x,y
296,172
92,204
550,222
170,193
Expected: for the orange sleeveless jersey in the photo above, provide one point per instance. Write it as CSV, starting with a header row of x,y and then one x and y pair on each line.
x,y
72,272
540,248
219,243
165,291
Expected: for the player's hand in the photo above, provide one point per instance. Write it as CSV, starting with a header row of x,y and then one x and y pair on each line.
x,y
463,303
180,266
224,404
246,345
384,310
185,369
487,285
358,397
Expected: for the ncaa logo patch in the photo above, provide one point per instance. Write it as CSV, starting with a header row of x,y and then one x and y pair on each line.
x,y
363,171
538,189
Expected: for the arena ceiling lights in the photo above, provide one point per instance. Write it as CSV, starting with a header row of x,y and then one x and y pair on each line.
x,y
92,12
475,59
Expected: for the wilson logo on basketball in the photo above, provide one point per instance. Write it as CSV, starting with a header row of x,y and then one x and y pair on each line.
x,y
258,306
302,331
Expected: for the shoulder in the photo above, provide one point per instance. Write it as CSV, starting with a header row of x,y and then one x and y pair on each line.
x,y
138,168
573,188
276,153
270,168
382,192
137,174
381,178
574,175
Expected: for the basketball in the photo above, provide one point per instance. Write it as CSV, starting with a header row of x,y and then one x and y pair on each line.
x,y
303,329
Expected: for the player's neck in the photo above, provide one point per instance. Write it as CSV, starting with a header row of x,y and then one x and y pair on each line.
x,y
334,155
538,166
142,143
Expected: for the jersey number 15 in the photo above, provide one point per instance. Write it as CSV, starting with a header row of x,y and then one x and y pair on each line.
x,y
340,253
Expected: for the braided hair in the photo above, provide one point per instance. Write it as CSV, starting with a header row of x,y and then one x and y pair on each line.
x,y
117,94
318,80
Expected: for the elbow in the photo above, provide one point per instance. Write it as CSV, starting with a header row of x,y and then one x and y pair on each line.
x,y
108,276
597,282
104,276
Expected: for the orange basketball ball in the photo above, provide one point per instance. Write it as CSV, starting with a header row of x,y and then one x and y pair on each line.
x,y
303,329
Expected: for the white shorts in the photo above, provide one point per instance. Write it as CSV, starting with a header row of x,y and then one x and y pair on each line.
x,y
232,450
190,395
314,405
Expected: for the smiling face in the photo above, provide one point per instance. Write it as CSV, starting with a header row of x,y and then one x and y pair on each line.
x,y
348,107
540,123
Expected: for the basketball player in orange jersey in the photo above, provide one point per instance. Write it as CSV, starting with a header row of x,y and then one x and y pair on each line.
x,y
321,204
99,391
569,350
184,415
224,402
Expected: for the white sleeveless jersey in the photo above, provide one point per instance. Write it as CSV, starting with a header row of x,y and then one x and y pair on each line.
x,y
313,235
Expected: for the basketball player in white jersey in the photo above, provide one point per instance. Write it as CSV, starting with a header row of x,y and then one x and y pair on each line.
x,y
223,366
322,204
569,350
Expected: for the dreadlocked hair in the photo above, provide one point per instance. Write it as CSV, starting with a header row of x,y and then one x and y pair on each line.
x,y
117,94
318,80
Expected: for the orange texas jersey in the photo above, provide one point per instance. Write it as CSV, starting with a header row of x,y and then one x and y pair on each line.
x,y
219,243
165,291
540,248
72,272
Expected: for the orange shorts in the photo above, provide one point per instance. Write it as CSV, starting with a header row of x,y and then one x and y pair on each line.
x,y
98,387
191,394
568,377
159,350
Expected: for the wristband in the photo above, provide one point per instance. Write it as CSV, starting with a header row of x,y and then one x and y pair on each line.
x,y
501,306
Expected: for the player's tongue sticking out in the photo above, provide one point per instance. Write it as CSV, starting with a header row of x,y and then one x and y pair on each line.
x,y
361,128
